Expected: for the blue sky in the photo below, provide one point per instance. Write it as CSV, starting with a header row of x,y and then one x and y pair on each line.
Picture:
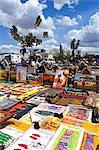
x,y
63,19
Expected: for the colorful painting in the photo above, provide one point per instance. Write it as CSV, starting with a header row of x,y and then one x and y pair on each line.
x,y
39,114
66,138
90,141
28,94
51,107
92,127
36,79
78,112
6,103
60,79
52,123
19,125
85,81
49,124
21,74
32,139
36,100
5,139
48,79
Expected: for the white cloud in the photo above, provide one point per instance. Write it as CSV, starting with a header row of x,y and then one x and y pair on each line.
x,y
79,17
89,34
13,12
9,49
58,4
66,21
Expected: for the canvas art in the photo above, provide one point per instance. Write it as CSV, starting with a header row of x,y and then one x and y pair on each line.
x,y
85,82
21,74
78,112
50,124
66,138
88,126
19,125
36,79
90,141
32,139
5,139
51,107
60,79
48,79
40,114
7,103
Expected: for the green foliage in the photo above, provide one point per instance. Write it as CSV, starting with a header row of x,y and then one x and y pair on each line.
x,y
28,40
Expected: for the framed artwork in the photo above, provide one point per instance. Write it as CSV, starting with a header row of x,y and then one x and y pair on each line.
x,y
90,141
60,79
66,138
21,73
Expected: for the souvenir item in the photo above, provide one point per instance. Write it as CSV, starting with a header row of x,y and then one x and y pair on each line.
x,y
28,94
48,79
51,107
90,141
21,74
60,79
16,111
32,139
23,111
78,112
85,82
39,114
66,98
36,79
14,133
49,124
36,100
7,103
88,126
19,125
27,118
66,138
4,117
5,139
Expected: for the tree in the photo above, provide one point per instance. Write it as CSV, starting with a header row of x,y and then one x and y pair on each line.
x,y
28,40
74,45
68,56
78,55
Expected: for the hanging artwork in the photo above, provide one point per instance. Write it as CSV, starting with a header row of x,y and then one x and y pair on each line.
x,y
21,74
60,79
